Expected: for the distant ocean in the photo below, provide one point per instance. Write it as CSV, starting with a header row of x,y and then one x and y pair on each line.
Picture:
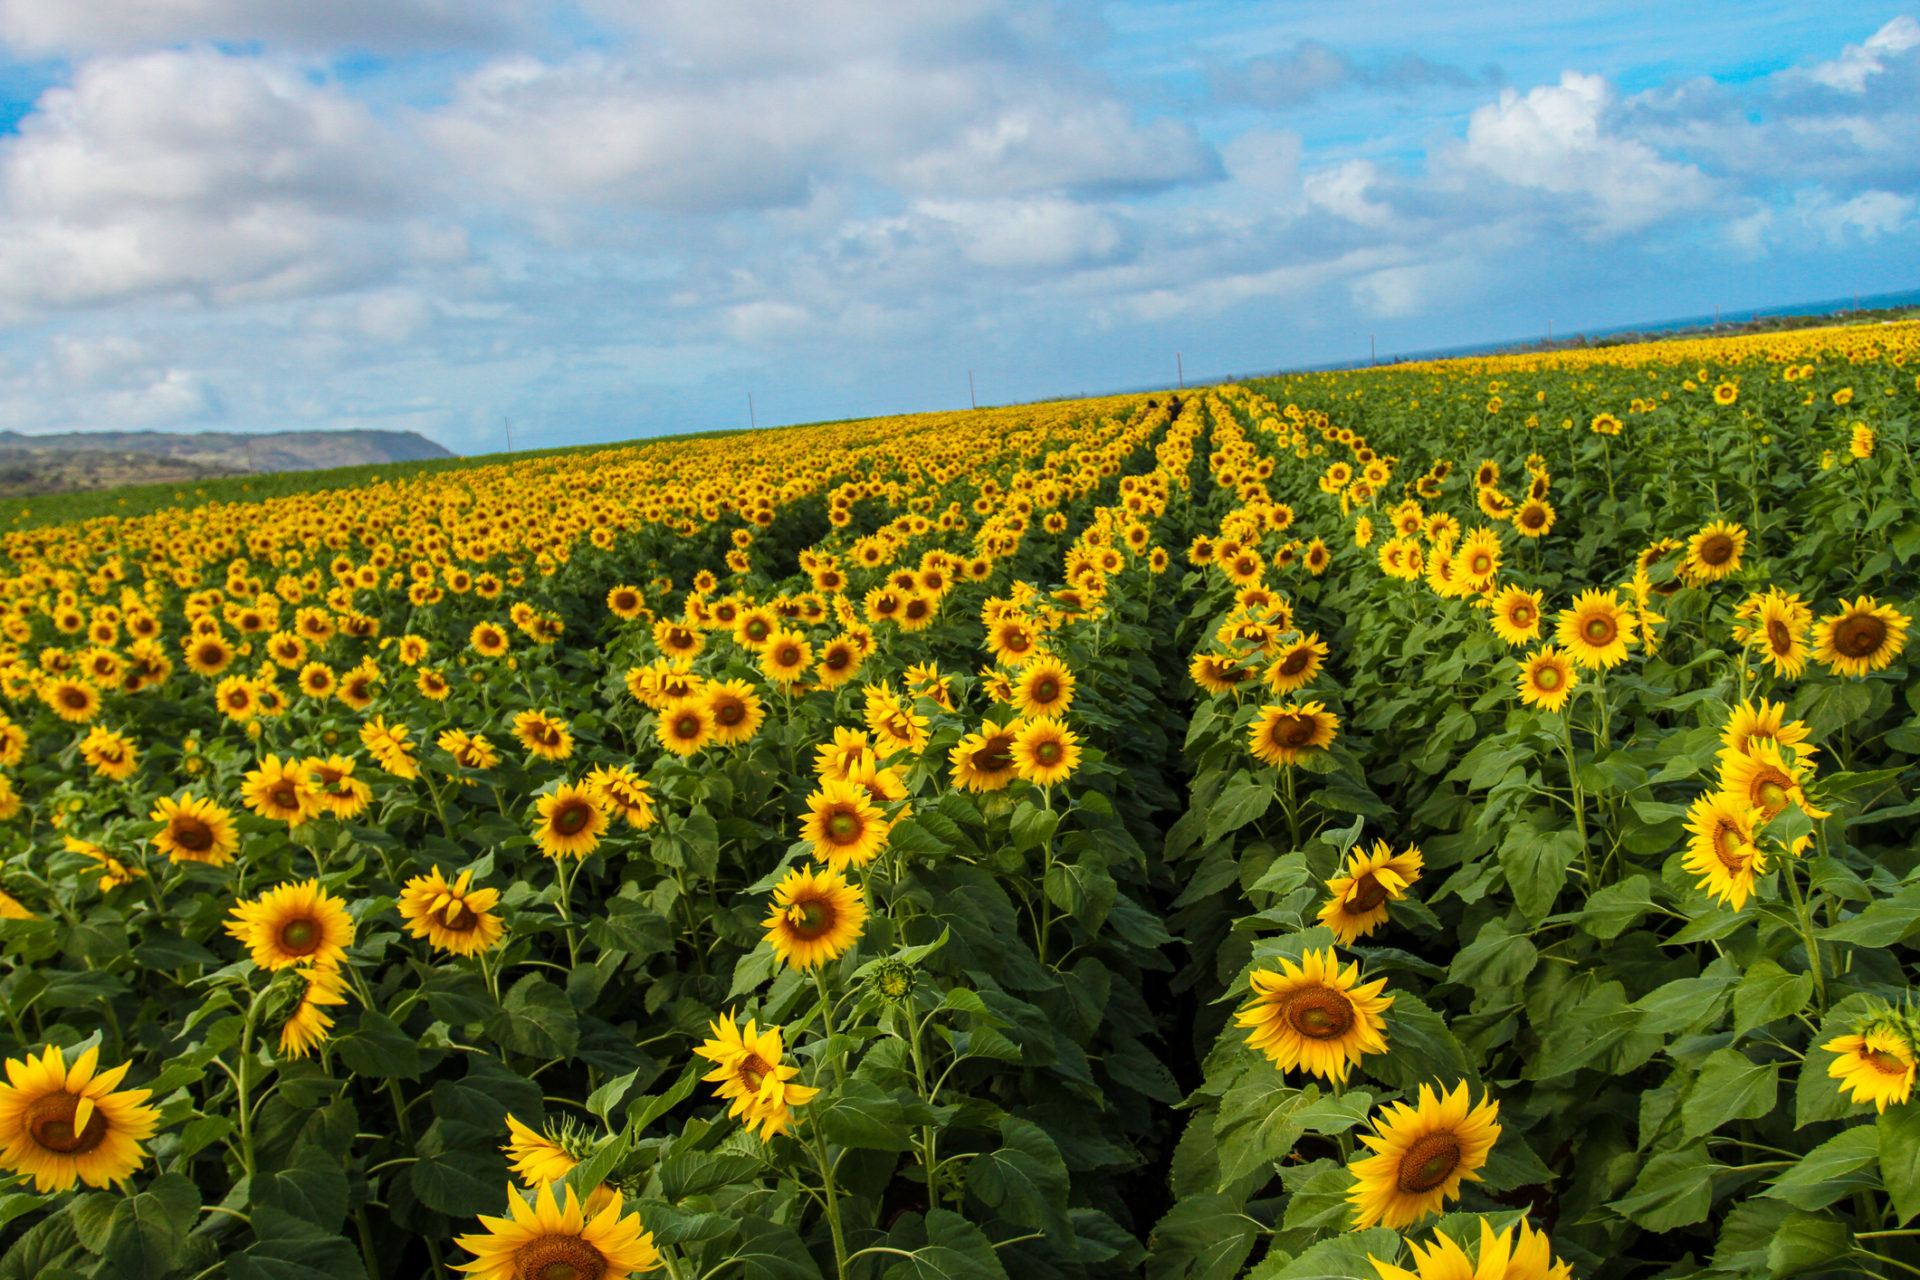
x,y
1831,307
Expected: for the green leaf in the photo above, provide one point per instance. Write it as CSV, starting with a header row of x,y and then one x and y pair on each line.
x,y
290,1248
1342,1257
1025,1180
772,1251
1767,993
955,1250
1420,1049
1899,1128
1497,957
858,1114
1031,825
1845,1163
1806,1243
458,1181
1673,1190
1884,922
1535,863
631,926
1204,1237
313,1187
701,1173
377,1047
147,1232
1612,909
1083,890
540,1019
1730,1086
1244,799
487,1095
753,969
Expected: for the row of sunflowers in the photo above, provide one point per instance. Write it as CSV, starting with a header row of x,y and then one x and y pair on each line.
x,y
1402,823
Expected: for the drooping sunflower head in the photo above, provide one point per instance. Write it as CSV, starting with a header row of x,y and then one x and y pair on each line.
x,y
1315,1016
1595,632
1421,1155
1296,664
1865,636
983,761
537,1157
293,924
1284,734
1875,1064
63,1124
816,917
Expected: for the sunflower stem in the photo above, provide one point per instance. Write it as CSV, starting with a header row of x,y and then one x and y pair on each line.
x,y
832,1201
826,1019
1806,933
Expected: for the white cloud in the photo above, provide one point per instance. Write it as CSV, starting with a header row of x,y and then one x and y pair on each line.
x,y
1342,191
52,27
1556,139
1045,233
1859,63
1047,144
192,174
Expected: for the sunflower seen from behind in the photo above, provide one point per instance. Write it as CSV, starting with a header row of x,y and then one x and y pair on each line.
x,y
63,1124
1421,1155
1315,1016
1876,1063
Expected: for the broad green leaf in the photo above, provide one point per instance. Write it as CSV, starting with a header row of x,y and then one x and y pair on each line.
x,y
1204,1237
540,1020
1244,799
1025,1180
1674,1189
1730,1087
1899,1128
1843,1164
1767,993
1535,863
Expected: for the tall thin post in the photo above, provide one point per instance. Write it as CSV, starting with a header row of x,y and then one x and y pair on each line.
x,y
1373,351
1181,369
752,421
970,396
509,422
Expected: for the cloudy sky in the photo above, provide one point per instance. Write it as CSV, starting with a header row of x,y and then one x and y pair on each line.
x,y
616,218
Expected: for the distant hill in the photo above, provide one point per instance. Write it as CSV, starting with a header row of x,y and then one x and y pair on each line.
x,y
77,460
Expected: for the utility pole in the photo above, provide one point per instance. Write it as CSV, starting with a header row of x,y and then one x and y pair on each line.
x,y
249,453
509,422
752,421
1549,333
970,396
1373,351
1181,369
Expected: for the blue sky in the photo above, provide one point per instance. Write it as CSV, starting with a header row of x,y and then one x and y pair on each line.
x,y
616,218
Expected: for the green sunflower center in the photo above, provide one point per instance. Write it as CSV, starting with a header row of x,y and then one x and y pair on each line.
x,y
844,827
1048,753
1428,1162
1599,630
570,818
300,936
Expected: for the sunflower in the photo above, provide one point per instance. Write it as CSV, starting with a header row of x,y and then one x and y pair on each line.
x,y
838,759
1534,518
838,663
469,750
60,1125
195,830
786,657
1863,637
207,655
1421,1154
1219,673
895,725
317,680
816,917
1282,735
1875,1065
752,1077
453,917
623,792
1722,850
1764,779
309,1022
336,790
1044,687
684,726
983,761
1314,1016
677,640
388,745
1012,641
1296,664
489,639
550,1240
111,754
1748,723
537,1158
280,790
544,736
1714,552
1502,1256
1596,631
1777,627
625,602
1547,679
113,872
74,700
843,825
736,711
1045,751
1516,615
1477,561
571,822
1362,891
293,924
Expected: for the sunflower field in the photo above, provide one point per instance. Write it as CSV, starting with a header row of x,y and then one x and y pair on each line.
x,y
1451,822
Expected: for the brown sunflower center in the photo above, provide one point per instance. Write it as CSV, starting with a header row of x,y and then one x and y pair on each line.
x,y
812,917
1046,689
753,1070
757,629
730,712
687,726
1779,637
1716,549
1367,892
1859,635
1428,1162
570,817
1320,1013
75,698
558,1258
844,827
1048,753
1296,662
1599,630
1730,848
1292,732
787,656
300,936
192,834
1882,1061
284,796
50,1122
993,757
836,659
